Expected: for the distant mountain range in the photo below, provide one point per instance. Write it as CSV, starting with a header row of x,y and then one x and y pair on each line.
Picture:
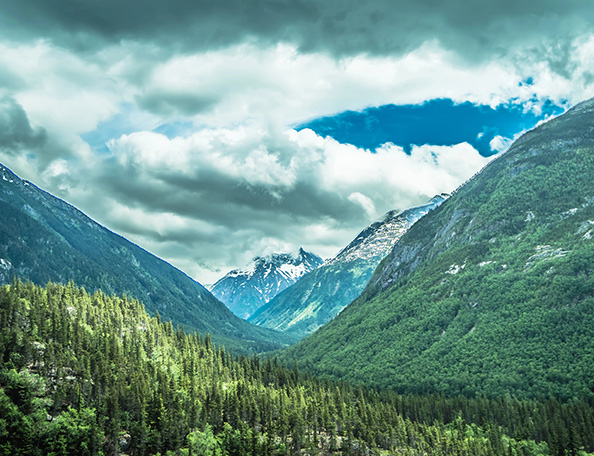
x,y
490,294
320,295
244,291
43,238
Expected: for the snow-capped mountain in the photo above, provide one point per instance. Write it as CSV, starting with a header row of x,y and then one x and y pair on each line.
x,y
246,290
320,295
378,239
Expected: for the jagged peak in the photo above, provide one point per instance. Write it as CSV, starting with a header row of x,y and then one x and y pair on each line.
x,y
285,257
247,289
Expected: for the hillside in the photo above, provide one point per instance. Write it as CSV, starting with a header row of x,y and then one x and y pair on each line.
x,y
43,238
87,375
319,296
492,293
244,291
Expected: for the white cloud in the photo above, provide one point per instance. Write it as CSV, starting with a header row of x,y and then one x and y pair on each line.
x,y
242,183
229,195
280,86
365,202
500,144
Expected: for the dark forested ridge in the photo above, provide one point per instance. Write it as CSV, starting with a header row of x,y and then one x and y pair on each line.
x,y
85,374
492,293
43,238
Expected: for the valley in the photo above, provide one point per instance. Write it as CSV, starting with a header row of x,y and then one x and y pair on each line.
x,y
470,329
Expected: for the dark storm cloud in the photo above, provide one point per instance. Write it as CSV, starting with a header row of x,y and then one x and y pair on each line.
x,y
191,24
225,200
16,132
167,103
477,29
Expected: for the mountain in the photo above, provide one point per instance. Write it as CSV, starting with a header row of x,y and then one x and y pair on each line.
x,y
320,295
43,238
244,291
492,293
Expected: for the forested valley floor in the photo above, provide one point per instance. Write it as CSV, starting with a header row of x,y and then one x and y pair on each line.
x,y
84,374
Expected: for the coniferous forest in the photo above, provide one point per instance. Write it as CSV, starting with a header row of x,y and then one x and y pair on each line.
x,y
84,374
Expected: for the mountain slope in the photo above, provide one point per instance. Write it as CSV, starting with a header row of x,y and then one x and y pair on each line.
x,y
244,291
490,294
42,238
320,295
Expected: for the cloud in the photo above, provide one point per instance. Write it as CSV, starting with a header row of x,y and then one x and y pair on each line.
x,y
178,102
219,197
500,144
476,30
16,132
279,85
90,88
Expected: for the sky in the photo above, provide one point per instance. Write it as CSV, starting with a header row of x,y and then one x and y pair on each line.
x,y
210,132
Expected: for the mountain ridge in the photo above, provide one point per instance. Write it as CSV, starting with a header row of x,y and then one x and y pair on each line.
x,y
320,295
43,238
491,293
245,290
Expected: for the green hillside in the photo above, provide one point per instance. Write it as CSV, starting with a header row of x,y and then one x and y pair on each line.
x,y
85,375
492,293
43,238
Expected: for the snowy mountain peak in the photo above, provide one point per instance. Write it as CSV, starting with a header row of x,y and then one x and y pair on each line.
x,y
378,238
246,290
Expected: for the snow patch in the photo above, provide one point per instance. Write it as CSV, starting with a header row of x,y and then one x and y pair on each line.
x,y
455,269
293,271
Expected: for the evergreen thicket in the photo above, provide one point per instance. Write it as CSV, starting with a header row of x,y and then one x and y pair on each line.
x,y
84,374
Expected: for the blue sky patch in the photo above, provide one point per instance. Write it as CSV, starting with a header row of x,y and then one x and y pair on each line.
x,y
129,121
436,122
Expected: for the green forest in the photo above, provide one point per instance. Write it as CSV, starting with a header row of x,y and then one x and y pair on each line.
x,y
91,374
